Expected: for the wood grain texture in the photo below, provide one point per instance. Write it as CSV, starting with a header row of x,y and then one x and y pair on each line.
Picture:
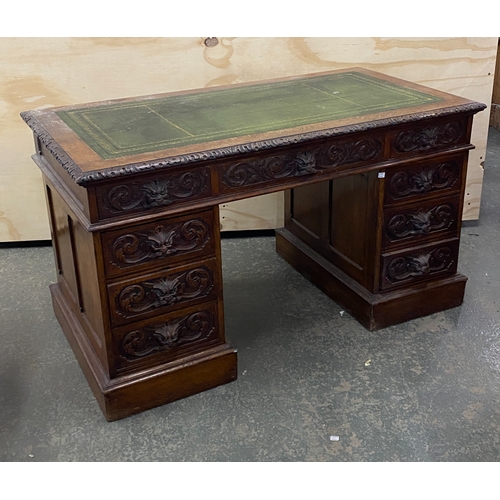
x,y
48,72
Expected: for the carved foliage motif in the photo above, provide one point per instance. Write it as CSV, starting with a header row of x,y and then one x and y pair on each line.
x,y
164,336
166,291
427,138
301,163
162,241
427,178
347,152
411,266
156,193
420,222
275,167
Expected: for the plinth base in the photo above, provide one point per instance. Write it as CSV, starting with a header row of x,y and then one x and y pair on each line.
x,y
126,395
374,311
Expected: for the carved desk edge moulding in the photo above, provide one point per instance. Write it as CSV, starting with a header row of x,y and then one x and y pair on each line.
x,y
84,179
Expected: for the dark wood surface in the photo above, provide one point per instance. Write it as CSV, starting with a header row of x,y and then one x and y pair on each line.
x,y
374,197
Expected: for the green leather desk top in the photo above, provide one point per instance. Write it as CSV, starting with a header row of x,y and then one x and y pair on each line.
x,y
145,125
104,140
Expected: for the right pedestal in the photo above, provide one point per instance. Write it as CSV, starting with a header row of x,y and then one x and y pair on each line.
x,y
383,244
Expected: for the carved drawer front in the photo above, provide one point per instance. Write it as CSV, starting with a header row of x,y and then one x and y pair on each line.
x,y
163,243
166,338
411,182
162,292
336,154
153,192
417,223
419,264
430,138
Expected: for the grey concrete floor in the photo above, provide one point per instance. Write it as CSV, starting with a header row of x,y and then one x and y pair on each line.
x,y
430,393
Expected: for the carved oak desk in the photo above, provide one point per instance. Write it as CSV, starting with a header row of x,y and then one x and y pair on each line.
x,y
374,170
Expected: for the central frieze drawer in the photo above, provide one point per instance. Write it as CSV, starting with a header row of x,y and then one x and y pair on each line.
x,y
163,243
162,292
314,158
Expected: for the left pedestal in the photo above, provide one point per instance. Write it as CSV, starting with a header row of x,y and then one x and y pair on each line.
x,y
140,302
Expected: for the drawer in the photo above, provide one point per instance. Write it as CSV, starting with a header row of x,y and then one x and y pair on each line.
x,y
334,154
431,137
420,223
166,338
438,177
159,293
419,264
152,193
162,243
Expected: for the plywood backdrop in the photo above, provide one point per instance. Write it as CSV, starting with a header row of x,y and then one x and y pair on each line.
x,y
45,72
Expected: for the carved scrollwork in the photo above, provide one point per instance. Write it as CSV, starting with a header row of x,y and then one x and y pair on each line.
x,y
276,167
347,152
411,266
165,291
427,178
156,193
426,138
162,241
420,222
302,163
164,336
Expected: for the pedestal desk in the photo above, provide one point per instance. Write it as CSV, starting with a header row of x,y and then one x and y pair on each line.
x,y
374,171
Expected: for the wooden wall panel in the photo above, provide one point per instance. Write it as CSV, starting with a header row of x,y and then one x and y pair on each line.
x,y
44,72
